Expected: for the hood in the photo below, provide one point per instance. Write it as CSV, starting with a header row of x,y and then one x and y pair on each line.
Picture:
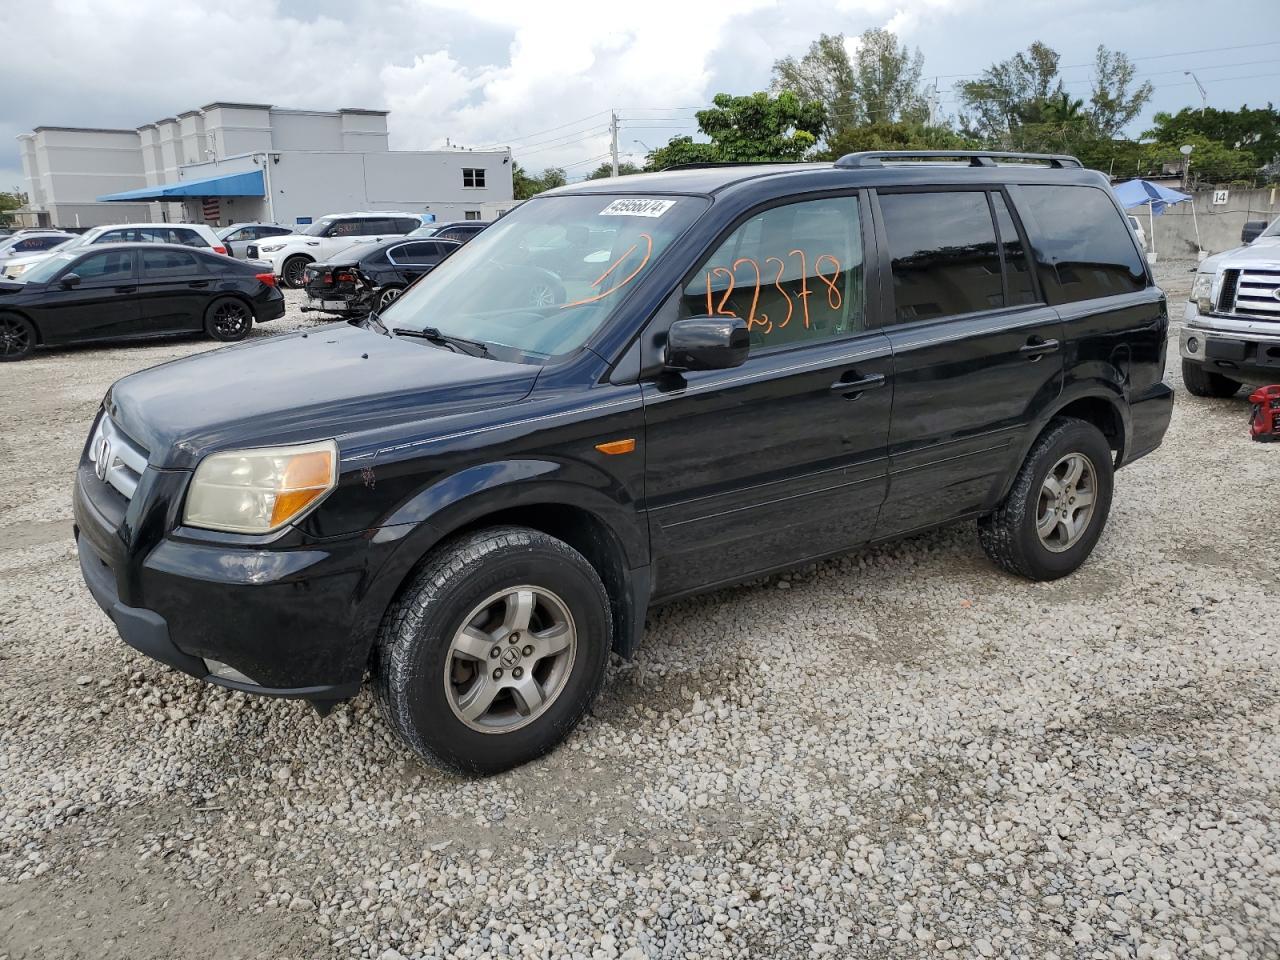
x,y
8,287
292,389
29,258
1264,250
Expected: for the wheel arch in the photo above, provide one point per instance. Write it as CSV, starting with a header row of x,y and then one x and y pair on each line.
x,y
607,533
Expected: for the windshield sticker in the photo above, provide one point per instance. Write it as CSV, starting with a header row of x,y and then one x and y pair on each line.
x,y
637,207
618,284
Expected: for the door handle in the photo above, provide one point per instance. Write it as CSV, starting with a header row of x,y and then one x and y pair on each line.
x,y
1037,347
128,289
852,389
198,283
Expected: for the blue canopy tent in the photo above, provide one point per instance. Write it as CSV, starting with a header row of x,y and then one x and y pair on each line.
x,y
1144,193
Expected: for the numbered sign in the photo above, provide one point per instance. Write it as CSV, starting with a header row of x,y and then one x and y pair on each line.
x,y
1219,197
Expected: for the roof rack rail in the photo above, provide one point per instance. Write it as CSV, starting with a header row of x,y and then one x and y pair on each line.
x,y
713,164
976,158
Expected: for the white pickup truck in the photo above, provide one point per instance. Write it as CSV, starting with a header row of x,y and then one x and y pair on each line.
x,y
1231,334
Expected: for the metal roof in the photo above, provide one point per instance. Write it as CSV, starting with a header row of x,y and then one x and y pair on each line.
x,y
248,183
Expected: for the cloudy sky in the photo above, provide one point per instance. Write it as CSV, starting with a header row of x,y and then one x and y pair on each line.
x,y
543,76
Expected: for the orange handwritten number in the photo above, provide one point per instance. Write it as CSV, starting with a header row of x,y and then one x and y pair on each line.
x,y
612,267
777,282
728,292
804,285
833,291
752,319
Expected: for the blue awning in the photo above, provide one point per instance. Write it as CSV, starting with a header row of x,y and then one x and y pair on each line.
x,y
247,184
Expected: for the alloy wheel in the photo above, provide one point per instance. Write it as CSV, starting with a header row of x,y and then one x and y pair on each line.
x,y
388,297
231,319
15,337
1066,502
509,661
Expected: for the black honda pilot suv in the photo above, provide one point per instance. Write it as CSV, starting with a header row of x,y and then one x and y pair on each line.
x,y
624,392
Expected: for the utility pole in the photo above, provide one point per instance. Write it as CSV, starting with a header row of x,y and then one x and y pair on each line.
x,y
1204,99
613,140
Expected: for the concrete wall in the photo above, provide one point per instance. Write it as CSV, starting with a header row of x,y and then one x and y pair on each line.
x,y
1220,224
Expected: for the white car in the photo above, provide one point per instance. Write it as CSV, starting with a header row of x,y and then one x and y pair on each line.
x,y
31,243
187,234
328,237
238,236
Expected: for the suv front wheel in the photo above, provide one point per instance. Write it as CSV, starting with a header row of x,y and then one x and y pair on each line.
x,y
494,651
1054,514
294,271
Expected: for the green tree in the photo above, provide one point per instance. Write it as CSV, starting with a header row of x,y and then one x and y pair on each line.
x,y
761,127
678,151
8,203
887,78
824,74
904,135
1254,130
1009,94
606,170
525,186
1112,106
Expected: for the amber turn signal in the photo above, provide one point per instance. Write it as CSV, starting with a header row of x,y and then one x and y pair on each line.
x,y
617,446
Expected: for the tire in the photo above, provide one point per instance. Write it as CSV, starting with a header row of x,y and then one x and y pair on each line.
x,y
18,337
293,272
387,296
1010,536
1204,383
424,687
228,319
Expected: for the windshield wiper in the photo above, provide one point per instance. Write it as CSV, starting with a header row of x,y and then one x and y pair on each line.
x,y
472,348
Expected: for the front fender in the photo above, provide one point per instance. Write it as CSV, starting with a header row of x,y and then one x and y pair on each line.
x,y
460,499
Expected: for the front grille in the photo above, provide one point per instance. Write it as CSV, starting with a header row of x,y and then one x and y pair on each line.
x,y
1227,294
116,459
1256,294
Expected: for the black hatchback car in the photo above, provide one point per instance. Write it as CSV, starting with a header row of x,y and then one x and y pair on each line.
x,y
125,291
372,278
476,496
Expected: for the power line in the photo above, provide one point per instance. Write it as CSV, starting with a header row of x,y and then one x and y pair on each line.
x,y
530,136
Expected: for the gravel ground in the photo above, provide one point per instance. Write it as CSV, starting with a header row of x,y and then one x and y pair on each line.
x,y
899,753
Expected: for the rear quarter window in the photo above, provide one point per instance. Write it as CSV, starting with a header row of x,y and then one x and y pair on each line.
x,y
1085,246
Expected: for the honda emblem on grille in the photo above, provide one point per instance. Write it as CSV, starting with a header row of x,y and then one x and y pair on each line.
x,y
102,456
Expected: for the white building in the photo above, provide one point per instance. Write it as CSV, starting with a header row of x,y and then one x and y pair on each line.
x,y
233,162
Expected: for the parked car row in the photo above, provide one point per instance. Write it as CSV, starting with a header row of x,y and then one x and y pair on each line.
x,y
124,291
196,235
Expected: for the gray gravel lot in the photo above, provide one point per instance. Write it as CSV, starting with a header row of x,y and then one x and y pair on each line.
x,y
899,753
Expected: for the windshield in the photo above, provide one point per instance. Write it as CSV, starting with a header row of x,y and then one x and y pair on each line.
x,y
46,268
426,230
543,279
1273,230
318,228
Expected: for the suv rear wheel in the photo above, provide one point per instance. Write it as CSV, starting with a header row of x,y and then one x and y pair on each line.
x,y
1204,383
1054,514
494,651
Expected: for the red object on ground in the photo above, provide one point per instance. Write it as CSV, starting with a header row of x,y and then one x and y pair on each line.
x,y
1265,424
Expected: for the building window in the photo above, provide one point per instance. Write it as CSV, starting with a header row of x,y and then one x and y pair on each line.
x,y
472,177
471,215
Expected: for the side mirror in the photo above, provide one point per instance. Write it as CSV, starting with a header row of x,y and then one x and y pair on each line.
x,y
707,343
1252,229
70,280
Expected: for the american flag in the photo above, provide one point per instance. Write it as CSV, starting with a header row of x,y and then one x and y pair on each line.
x,y
211,208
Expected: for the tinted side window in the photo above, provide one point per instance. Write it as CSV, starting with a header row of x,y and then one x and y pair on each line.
x,y
1017,271
163,263
1089,246
414,253
117,236
346,228
794,273
376,226
106,266
405,224
943,248
190,238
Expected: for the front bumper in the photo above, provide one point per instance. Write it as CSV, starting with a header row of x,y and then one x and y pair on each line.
x,y
283,618
1238,348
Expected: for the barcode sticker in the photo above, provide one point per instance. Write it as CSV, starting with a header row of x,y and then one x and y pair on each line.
x,y
637,207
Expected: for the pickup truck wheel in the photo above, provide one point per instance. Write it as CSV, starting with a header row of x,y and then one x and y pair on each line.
x,y
228,319
1054,514
494,651
294,272
1204,383
17,337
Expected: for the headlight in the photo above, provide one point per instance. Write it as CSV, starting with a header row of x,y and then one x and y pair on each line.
x,y
257,491
1201,291
271,248
17,270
